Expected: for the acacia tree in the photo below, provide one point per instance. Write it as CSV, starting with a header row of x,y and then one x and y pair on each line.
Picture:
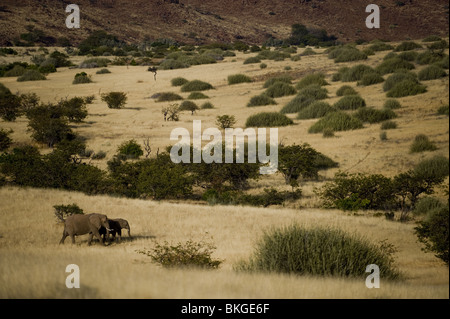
x,y
297,161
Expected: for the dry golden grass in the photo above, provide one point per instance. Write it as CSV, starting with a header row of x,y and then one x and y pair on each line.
x,y
32,264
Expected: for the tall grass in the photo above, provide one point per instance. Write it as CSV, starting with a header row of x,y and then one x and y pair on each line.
x,y
319,252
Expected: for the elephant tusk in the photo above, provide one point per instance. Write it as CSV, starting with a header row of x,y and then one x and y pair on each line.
x,y
109,229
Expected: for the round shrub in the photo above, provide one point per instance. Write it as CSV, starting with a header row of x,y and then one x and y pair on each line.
x,y
397,77
297,104
422,144
103,71
188,106
197,96
336,121
168,97
131,149
308,51
381,46
171,64
207,105
429,57
346,54
114,100
179,81
388,125
315,110
350,102
252,60
261,100
394,64
81,78
355,73
268,119
263,66
434,169
314,91
346,90
407,46
319,252
315,78
427,204
196,85
327,133
392,104
409,56
272,81
431,72
279,89
370,79
17,70
371,115
406,88
443,110
31,75
238,78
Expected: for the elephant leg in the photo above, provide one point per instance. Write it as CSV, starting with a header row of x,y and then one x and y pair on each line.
x,y
73,238
63,237
97,234
90,239
120,235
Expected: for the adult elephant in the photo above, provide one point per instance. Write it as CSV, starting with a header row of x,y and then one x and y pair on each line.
x,y
116,226
76,225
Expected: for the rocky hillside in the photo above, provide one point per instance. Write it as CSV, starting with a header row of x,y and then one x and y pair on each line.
x,y
199,21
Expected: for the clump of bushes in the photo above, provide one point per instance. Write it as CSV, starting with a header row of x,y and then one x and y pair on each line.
x,y
261,100
188,254
252,60
178,81
392,104
268,119
346,90
302,251
314,91
81,78
315,78
422,144
405,88
443,110
103,71
370,79
5,140
315,110
31,75
346,54
407,46
188,106
355,73
17,70
131,149
207,105
394,64
196,85
381,46
397,77
297,104
168,97
279,89
429,57
272,81
371,115
350,102
388,125
94,63
431,72
238,78
115,100
336,121
197,96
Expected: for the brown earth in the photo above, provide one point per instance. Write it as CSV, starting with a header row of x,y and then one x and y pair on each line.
x,y
196,21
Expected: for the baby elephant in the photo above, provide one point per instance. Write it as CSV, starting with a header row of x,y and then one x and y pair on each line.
x,y
115,227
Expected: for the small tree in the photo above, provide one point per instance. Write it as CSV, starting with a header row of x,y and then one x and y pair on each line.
x,y
296,161
115,100
171,112
9,104
225,121
5,140
63,211
131,149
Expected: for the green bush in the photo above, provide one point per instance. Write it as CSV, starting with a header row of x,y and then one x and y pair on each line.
x,y
171,64
407,46
319,252
432,38
31,75
17,70
261,100
252,60
433,233
431,72
383,136
197,96
434,169
297,104
371,115
314,91
178,81
422,144
238,78
315,78
355,73
207,105
94,63
188,106
328,132
397,77
189,254
115,100
268,119
443,110
263,66
409,56
438,45
225,121
99,155
11,105
388,125
81,78
346,54
131,149
346,90
196,85
430,57
103,71
168,97
381,46
338,76
272,81
394,64
406,88
444,63
428,204
5,140
336,121
63,211
370,79
350,102
279,89
315,110
392,104
273,55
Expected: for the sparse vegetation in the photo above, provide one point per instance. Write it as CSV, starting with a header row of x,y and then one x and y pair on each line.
x,y
443,110
388,125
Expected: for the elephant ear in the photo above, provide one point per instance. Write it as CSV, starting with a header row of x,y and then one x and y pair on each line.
x,y
123,223
95,220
